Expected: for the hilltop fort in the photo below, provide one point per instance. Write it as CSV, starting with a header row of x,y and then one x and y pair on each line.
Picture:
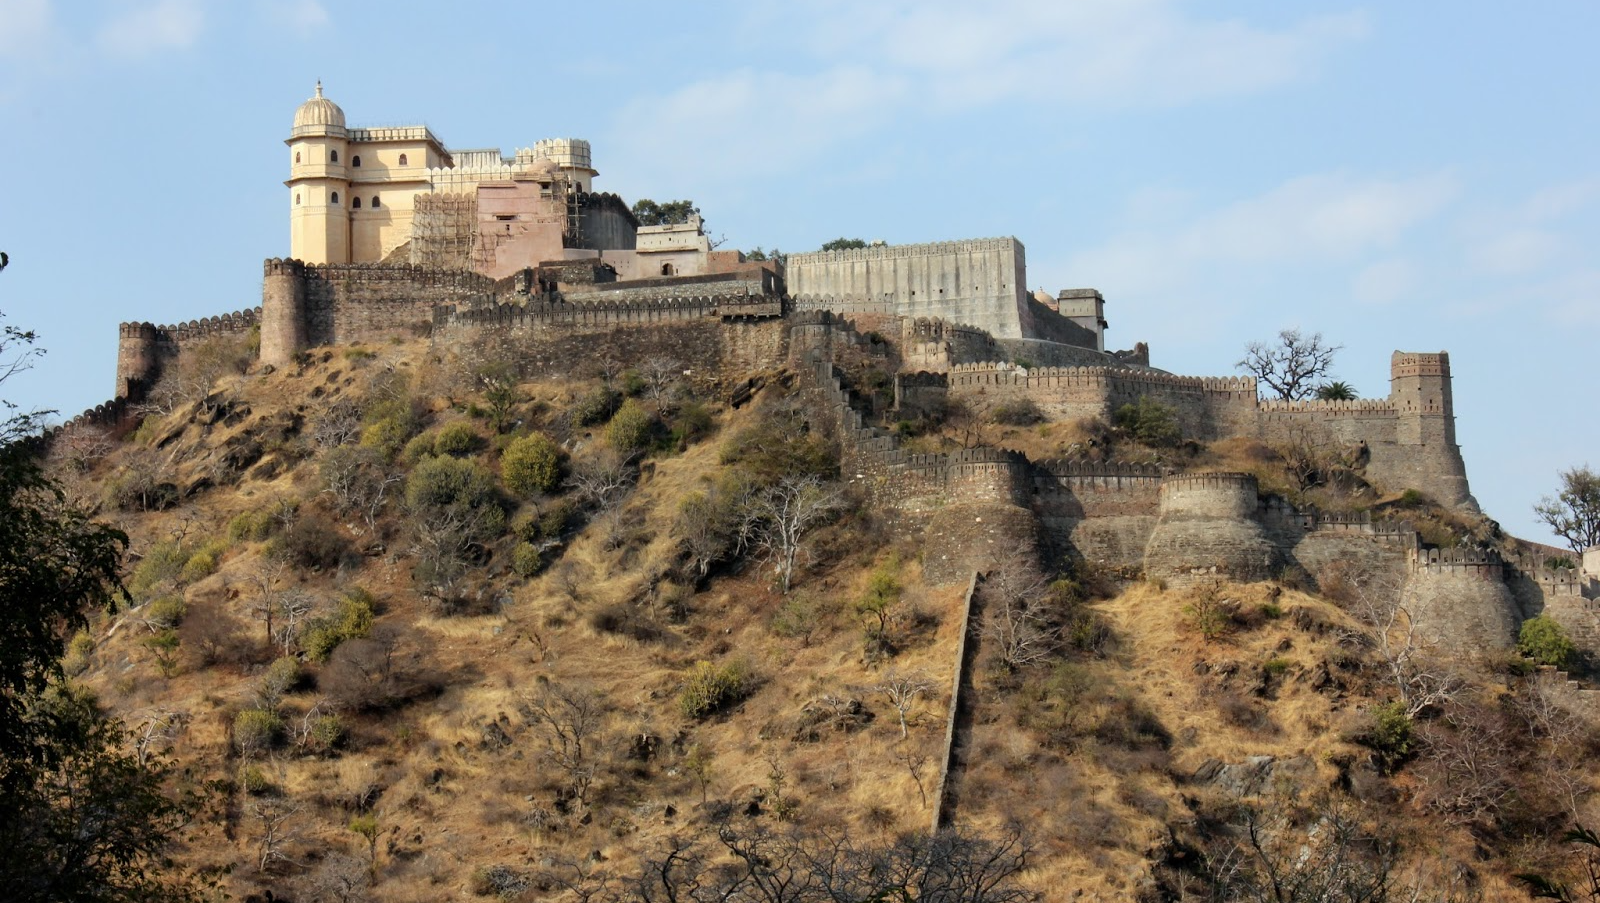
x,y
517,258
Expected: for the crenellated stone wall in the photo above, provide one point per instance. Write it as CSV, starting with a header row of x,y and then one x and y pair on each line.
x,y
1458,599
145,350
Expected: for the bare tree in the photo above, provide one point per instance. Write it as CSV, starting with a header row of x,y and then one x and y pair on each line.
x,y
570,718
661,375
915,761
902,691
359,484
337,424
1270,858
294,609
584,880
1292,366
602,478
1422,678
268,575
1467,765
154,731
1574,513
1018,620
784,514
276,820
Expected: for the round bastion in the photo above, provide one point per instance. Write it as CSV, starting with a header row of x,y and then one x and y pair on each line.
x,y
1207,530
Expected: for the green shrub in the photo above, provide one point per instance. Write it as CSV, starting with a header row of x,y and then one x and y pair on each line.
x,y
282,676
357,354
595,407
797,619
1275,667
253,780
631,429
1021,412
160,568
165,612
256,730
350,620
164,646
203,563
1150,422
456,440
327,733
709,688
418,448
781,444
1545,642
1388,733
531,464
252,526
526,560
77,658
632,382
388,426
440,483
694,422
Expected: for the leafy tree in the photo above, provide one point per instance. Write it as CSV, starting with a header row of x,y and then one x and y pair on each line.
x,y
759,254
82,818
1574,513
666,213
843,244
1336,391
1150,422
1543,641
1290,366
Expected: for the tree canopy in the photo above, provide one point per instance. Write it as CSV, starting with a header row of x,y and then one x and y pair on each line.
x,y
843,244
1574,512
83,818
664,213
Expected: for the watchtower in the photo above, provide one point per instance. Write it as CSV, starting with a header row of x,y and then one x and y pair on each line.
x,y
319,183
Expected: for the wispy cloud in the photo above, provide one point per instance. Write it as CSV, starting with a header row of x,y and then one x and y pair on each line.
x,y
152,28
1311,219
24,27
860,69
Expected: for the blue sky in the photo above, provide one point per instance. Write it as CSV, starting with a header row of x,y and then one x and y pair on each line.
x,y
1415,176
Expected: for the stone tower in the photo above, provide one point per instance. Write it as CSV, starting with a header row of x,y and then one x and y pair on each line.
x,y
1419,388
1207,530
319,183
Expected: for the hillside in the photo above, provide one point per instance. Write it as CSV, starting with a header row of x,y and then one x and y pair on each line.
x,y
429,630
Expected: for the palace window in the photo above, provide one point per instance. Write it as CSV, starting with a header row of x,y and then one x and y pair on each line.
x,y
333,156
356,203
666,269
297,197
402,159
336,197
297,156
356,160
375,201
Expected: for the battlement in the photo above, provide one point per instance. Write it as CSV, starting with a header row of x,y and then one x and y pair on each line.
x,y
1412,363
1482,563
1075,468
393,133
1184,482
238,321
604,312
849,304
1352,407
936,329
891,252
1086,377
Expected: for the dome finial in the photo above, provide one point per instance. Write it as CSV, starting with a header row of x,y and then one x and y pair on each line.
x,y
319,87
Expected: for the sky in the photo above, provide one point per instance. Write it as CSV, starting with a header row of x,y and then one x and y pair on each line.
x,y
1416,176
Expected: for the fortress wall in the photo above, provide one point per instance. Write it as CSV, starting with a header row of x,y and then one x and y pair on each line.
x,y
1207,529
1040,353
980,282
709,336
1049,325
1458,599
145,350
1207,408
724,285
604,222
346,303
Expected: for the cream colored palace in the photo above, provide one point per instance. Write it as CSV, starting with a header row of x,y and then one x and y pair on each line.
x,y
352,192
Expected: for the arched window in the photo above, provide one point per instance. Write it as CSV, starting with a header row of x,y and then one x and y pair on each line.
x,y
375,203
336,197
333,156
356,203
356,160
666,269
297,156
402,159
297,197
